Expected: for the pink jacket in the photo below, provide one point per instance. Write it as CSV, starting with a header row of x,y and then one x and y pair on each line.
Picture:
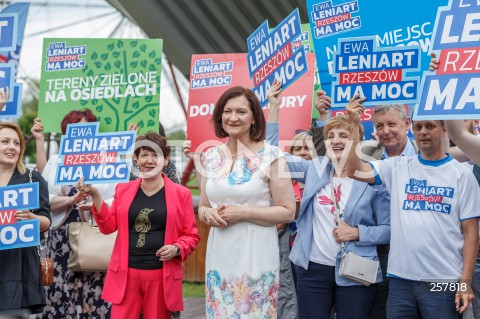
x,y
181,230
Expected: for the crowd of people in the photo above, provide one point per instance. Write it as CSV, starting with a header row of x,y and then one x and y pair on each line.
x,y
283,224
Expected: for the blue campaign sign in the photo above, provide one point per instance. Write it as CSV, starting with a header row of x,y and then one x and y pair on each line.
x,y
13,109
375,73
207,74
7,72
24,233
19,197
393,23
452,91
271,55
329,19
8,31
85,152
21,9
95,173
84,138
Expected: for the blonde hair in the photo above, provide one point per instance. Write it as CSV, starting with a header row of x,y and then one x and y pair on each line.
x,y
302,137
340,121
20,164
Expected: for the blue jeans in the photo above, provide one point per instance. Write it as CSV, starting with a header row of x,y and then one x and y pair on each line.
x,y
317,292
409,299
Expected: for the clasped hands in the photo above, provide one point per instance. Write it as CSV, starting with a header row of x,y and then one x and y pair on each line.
x,y
167,252
85,189
344,232
222,216
84,192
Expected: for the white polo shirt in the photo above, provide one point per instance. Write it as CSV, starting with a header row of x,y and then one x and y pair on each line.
x,y
429,200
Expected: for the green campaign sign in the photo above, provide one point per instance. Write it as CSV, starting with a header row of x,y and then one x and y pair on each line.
x,y
305,39
118,79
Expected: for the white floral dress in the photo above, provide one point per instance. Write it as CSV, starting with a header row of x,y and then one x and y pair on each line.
x,y
242,263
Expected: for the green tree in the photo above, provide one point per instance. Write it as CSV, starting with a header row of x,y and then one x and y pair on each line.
x,y
177,135
25,122
29,113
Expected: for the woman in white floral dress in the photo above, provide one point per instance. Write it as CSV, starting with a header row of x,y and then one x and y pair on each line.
x,y
246,191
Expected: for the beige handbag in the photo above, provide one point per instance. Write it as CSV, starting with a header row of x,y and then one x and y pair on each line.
x,y
359,269
90,249
354,267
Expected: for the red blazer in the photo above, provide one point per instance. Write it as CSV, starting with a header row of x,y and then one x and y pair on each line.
x,y
181,230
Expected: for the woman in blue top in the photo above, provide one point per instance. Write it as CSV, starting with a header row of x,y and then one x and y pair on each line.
x,y
364,223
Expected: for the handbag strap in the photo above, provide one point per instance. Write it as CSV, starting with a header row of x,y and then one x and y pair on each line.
x,y
31,210
336,205
89,220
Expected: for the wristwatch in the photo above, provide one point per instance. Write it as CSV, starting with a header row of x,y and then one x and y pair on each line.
x,y
177,251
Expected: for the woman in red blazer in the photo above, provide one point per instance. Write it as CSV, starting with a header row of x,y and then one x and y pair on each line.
x,y
156,232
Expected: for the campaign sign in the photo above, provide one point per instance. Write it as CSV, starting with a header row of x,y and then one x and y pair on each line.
x,y
15,234
63,57
7,72
25,233
207,74
377,74
12,110
19,197
393,23
271,55
118,79
8,31
295,106
304,39
13,56
329,19
84,152
453,91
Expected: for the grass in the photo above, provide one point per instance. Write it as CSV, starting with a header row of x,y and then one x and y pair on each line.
x,y
193,289
193,184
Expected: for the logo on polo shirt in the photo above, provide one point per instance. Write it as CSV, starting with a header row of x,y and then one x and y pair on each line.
x,y
421,197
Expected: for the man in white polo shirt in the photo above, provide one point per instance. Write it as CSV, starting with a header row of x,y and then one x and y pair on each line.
x,y
434,227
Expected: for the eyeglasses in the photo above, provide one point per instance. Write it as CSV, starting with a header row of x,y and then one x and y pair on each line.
x,y
303,131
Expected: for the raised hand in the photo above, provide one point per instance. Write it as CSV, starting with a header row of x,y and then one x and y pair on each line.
x,y
355,108
433,62
37,129
85,189
323,105
4,97
186,148
133,127
275,93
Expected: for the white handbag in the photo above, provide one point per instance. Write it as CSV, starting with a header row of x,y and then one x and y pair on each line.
x,y
358,268
354,267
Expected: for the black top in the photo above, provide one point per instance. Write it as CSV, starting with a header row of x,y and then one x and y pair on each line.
x,y
147,220
20,281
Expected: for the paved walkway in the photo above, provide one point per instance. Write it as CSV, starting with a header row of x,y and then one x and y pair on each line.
x,y
194,308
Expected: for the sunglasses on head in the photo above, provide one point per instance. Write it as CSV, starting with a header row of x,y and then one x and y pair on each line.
x,y
303,131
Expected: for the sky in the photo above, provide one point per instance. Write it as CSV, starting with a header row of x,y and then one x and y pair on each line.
x,y
91,19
